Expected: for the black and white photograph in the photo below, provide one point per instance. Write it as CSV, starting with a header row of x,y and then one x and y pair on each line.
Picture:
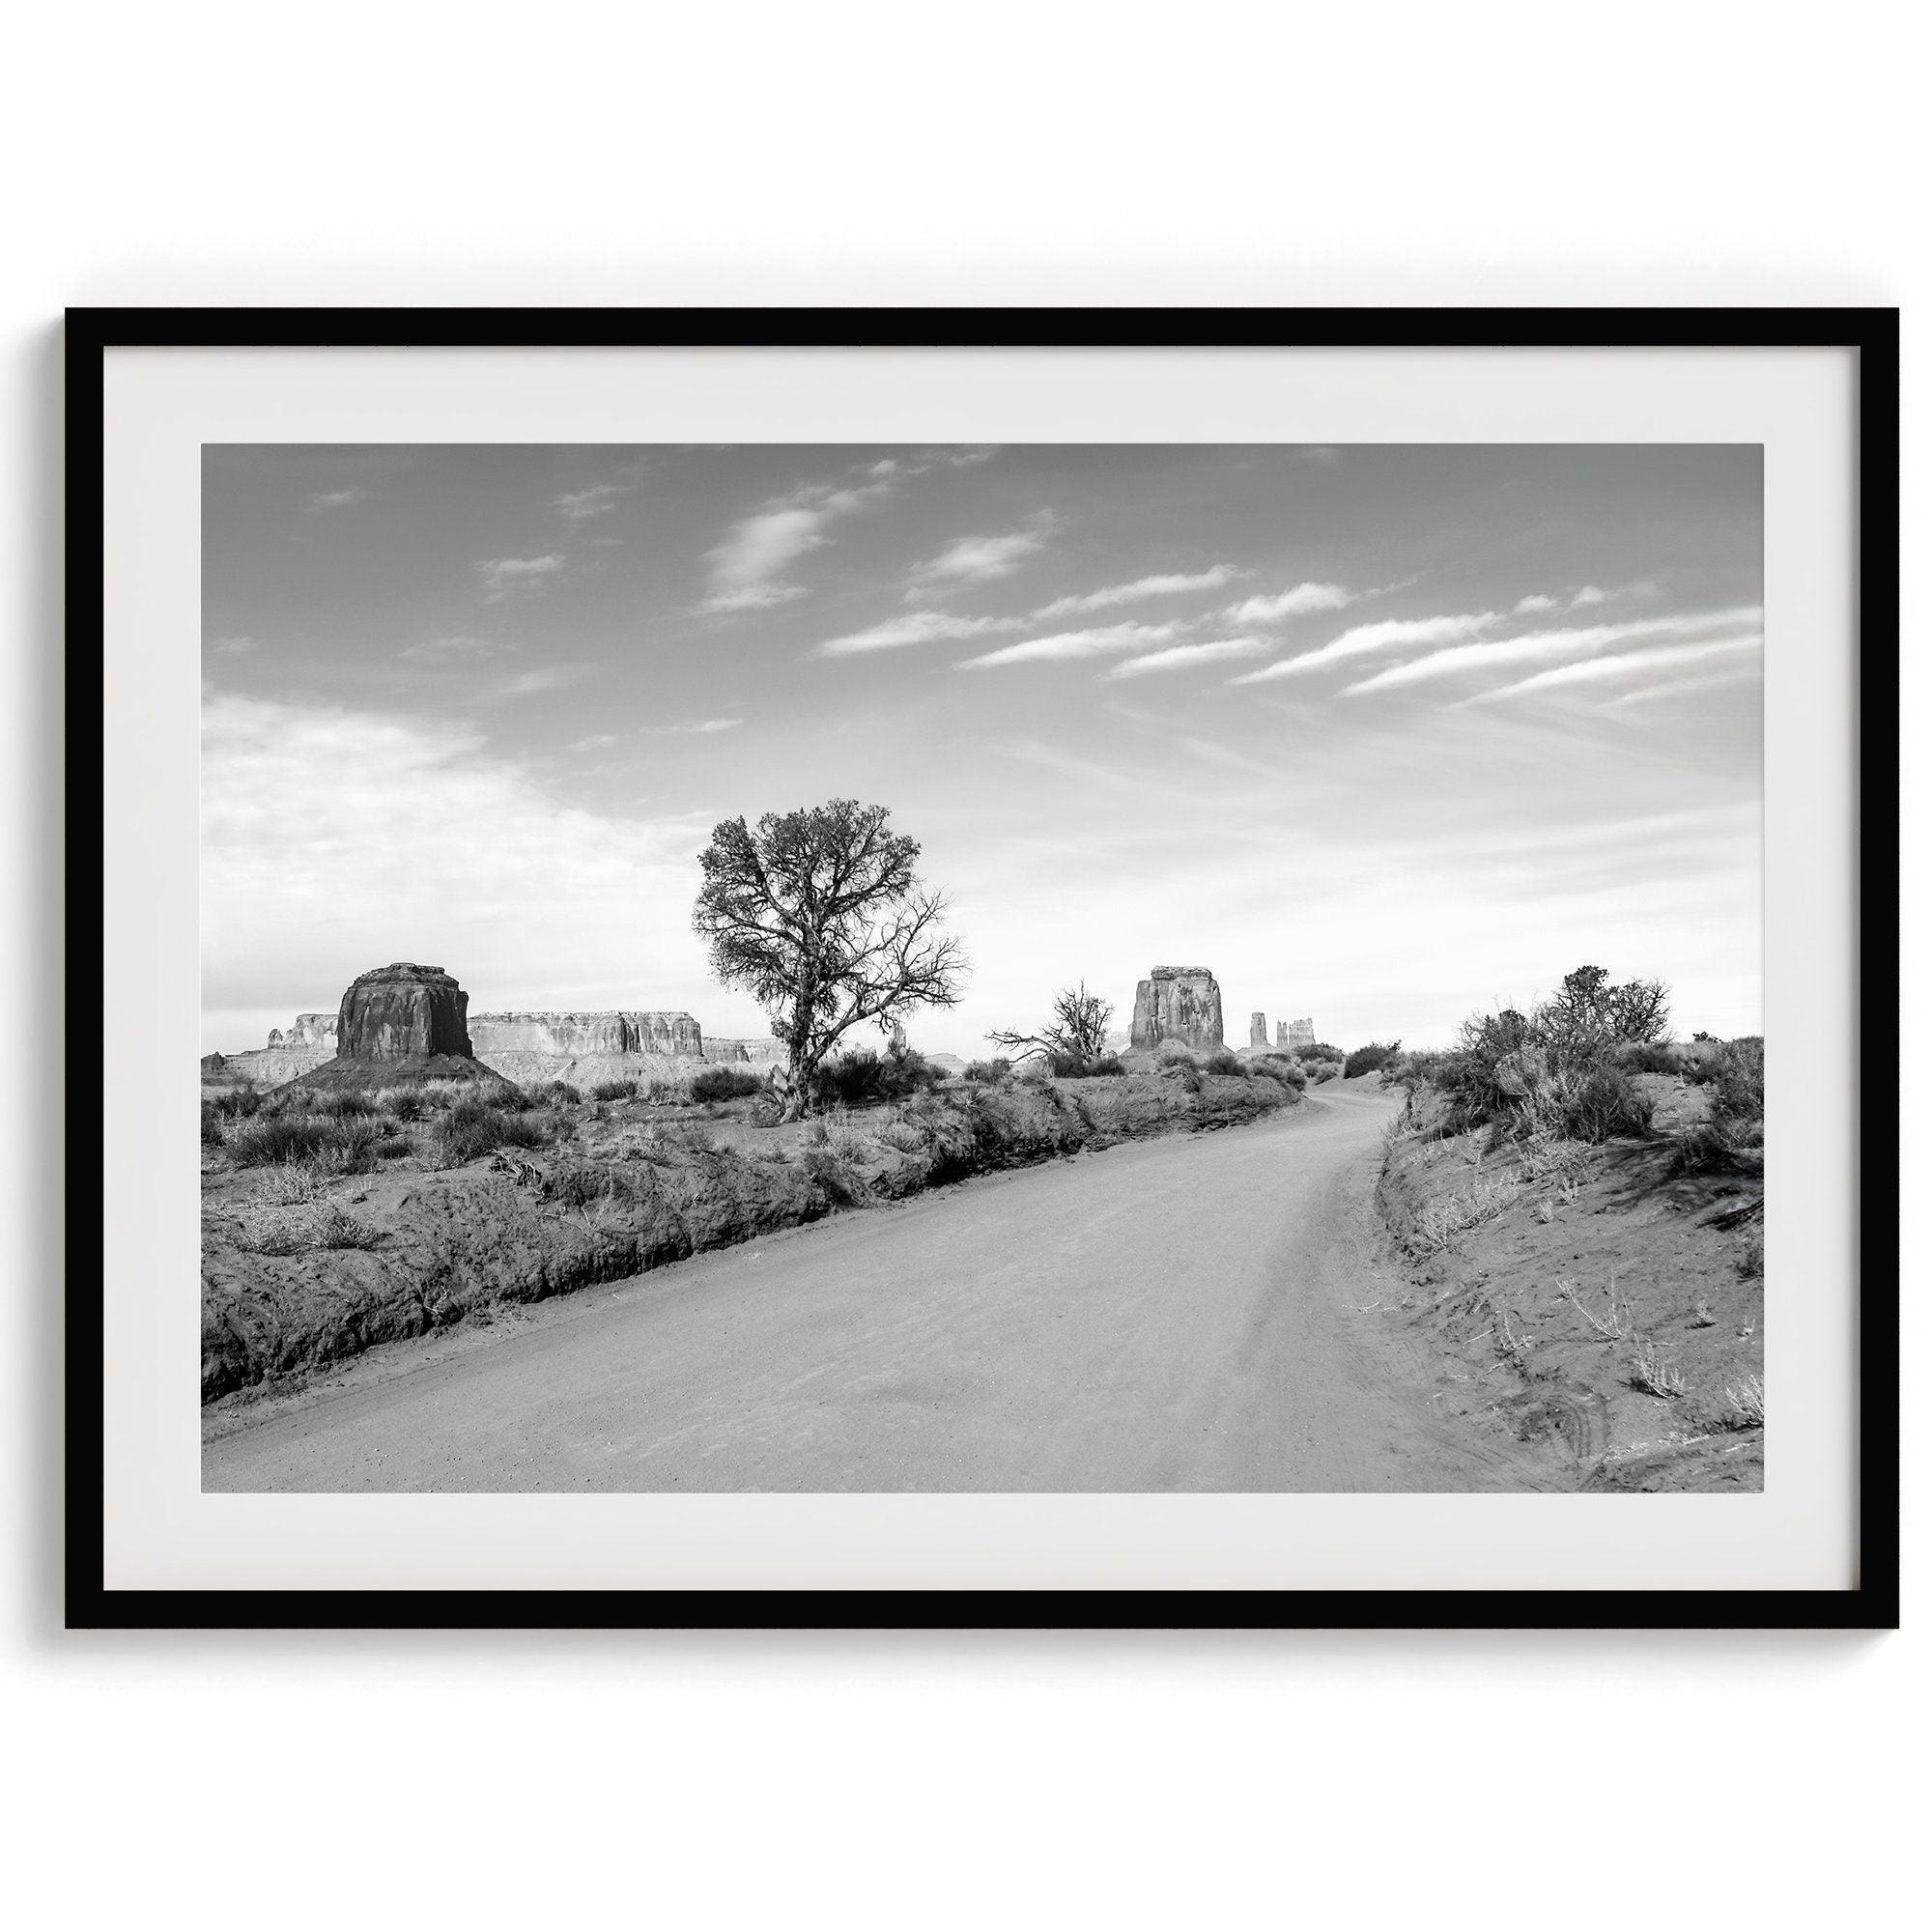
x,y
983,967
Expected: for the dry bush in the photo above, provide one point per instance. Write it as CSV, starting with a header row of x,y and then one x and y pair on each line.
x,y
335,1145
1645,1368
724,1083
1746,1403
614,1090
302,1229
1442,1220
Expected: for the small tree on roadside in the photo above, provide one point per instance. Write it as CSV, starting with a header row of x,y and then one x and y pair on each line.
x,y
1078,1027
819,916
1587,1013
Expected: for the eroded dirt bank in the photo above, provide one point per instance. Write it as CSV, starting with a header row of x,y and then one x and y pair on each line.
x,y
1179,1315
628,1194
1590,1296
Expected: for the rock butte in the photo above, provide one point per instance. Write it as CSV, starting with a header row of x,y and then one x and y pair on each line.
x,y
398,1026
1258,1029
1178,1002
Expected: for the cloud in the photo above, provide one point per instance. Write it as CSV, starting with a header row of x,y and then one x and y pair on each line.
x,y
748,568
1111,594
596,742
456,649
1294,603
1597,670
552,678
1578,600
528,900
1681,687
979,559
920,627
232,648
1536,645
576,506
703,728
1179,657
509,576
335,499
1065,645
1391,634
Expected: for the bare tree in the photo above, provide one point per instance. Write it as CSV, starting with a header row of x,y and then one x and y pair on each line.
x,y
818,915
1588,1012
1078,1026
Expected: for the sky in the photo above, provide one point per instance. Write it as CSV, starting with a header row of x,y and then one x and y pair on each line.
x,y
1382,735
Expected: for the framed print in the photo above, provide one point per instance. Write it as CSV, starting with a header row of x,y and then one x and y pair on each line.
x,y
985,967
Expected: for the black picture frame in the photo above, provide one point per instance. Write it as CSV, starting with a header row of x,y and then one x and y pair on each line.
x,y
1871,333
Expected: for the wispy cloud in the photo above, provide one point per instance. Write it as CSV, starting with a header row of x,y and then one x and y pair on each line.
x,y
232,648
1391,634
704,727
1061,645
980,560
335,499
1624,664
1539,604
1535,645
596,742
551,677
1683,687
1181,657
514,575
460,649
1111,595
1296,602
748,567
917,627
577,506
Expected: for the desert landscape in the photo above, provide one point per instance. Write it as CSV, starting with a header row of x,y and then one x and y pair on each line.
x,y
817,831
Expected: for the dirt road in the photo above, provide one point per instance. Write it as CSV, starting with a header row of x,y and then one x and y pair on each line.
x,y
1180,1314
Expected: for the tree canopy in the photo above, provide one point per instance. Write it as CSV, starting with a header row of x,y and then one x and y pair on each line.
x,y
821,917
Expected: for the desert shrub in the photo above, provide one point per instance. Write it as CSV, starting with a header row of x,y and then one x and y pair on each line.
x,y
861,1077
557,1094
345,1147
235,1103
1370,1058
1174,1053
472,1128
394,1147
1319,1070
614,1090
1283,1067
1186,1071
211,1126
1603,1104
404,1103
1738,1081
724,1083
989,1070
1646,1056
302,1229
1320,1050
1714,1147
664,1088
1081,1067
339,1106
1223,1060
902,1138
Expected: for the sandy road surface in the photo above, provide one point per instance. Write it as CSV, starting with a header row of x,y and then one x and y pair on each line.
x,y
1178,1314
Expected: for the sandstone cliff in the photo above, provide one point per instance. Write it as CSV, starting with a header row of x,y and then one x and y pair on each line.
x,y
1178,1002
576,1036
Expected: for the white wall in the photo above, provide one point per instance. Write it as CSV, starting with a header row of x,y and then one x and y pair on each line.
x,y
1409,154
